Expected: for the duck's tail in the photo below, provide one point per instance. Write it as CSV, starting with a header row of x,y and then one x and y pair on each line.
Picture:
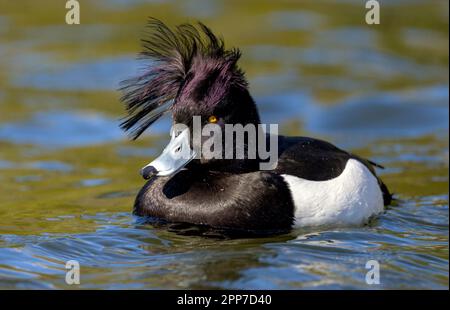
x,y
388,197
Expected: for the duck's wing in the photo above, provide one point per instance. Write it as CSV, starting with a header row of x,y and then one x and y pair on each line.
x,y
310,159
318,160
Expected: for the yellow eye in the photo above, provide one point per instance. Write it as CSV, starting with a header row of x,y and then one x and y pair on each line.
x,y
212,119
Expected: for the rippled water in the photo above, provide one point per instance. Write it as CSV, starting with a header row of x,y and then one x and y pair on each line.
x,y
68,175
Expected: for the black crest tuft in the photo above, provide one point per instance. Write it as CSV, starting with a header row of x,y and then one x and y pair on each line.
x,y
171,52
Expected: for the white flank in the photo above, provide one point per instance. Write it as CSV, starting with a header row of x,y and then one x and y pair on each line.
x,y
349,199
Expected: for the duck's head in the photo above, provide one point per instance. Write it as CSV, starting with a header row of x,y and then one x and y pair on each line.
x,y
191,74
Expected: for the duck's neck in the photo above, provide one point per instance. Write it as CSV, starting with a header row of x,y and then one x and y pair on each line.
x,y
234,166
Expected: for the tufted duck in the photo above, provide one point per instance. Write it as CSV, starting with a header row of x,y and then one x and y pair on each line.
x,y
192,74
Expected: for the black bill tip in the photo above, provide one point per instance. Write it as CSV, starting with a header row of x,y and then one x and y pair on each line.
x,y
148,172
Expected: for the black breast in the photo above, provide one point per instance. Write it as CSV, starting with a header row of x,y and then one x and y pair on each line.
x,y
248,201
